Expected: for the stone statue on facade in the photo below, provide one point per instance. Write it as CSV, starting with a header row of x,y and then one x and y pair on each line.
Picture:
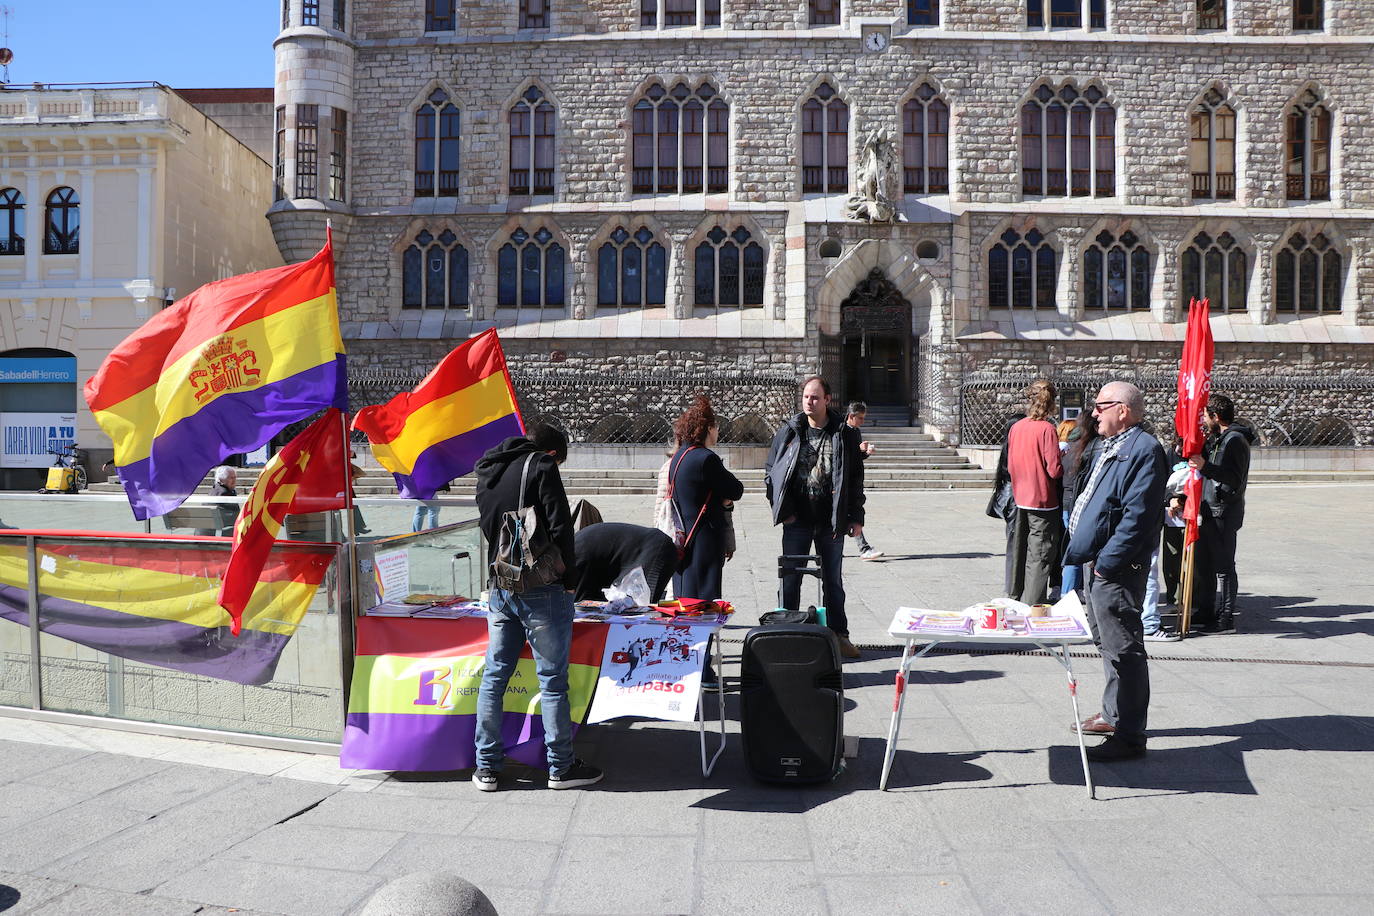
x,y
876,180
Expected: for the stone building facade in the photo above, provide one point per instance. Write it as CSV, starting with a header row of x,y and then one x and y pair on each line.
x,y
1073,170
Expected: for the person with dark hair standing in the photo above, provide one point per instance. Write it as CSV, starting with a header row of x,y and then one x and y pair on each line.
x,y
1036,475
542,616
1078,458
814,480
857,413
1225,468
703,491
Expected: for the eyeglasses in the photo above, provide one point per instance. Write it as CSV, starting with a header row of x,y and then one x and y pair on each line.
x,y
1100,406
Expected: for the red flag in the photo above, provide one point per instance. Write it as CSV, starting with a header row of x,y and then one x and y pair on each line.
x,y
1194,385
308,475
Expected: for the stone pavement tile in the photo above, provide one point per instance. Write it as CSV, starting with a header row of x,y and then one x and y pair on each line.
x,y
490,863
750,887
325,768
21,894
23,759
30,846
667,813
272,888
173,786
594,878
1326,904
97,773
844,840
318,847
1313,855
158,849
515,901
509,822
1026,875
21,802
414,815
756,835
923,889
977,815
89,901
260,760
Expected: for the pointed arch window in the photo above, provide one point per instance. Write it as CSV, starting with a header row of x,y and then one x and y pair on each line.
x,y
11,221
922,12
534,14
62,222
1068,143
1308,276
925,143
729,269
1216,269
438,125
1022,272
441,15
1211,15
533,122
823,12
1116,273
1066,14
1309,15
1309,149
1212,148
631,270
529,271
825,142
680,141
434,272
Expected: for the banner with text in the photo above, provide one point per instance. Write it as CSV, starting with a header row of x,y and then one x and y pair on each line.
x,y
27,440
652,670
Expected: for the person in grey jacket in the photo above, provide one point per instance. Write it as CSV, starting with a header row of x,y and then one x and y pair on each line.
x,y
1115,527
814,480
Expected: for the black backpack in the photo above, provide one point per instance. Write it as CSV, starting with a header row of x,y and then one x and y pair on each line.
x,y
526,556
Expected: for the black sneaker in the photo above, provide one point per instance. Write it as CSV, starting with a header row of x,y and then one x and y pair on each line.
x,y
1115,748
486,780
579,774
1226,623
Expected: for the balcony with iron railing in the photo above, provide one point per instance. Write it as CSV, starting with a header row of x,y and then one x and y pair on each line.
x,y
1225,189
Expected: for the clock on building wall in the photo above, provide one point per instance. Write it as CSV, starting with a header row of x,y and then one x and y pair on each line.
x,y
876,38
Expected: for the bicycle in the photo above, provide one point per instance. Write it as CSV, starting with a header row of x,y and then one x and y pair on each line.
x,y
67,474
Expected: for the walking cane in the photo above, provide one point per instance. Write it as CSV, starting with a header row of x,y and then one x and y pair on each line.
x,y
1186,606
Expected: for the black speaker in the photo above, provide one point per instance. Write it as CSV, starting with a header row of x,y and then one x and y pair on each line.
x,y
792,703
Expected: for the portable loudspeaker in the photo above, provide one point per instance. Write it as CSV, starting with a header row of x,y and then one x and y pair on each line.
x,y
792,703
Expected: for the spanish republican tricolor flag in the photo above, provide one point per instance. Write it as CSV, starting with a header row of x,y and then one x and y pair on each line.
x,y
309,474
219,373
435,433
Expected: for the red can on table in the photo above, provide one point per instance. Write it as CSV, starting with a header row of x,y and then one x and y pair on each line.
x,y
993,618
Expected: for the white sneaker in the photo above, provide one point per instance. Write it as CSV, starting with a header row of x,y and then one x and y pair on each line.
x,y
1163,635
871,553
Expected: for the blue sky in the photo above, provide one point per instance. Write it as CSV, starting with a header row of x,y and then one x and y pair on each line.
x,y
187,44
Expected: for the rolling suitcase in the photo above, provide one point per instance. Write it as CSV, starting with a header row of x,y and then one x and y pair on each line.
x,y
792,703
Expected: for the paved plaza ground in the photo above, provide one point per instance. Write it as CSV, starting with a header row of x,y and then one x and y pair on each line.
x,y
1255,797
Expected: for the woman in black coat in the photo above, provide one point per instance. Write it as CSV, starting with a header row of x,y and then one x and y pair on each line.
x,y
702,491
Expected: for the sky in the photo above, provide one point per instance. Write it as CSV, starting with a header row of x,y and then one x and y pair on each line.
x,y
186,44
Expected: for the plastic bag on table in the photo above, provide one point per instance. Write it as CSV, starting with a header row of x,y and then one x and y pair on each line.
x,y
631,590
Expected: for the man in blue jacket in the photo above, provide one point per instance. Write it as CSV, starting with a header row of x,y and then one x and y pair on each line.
x,y
1115,527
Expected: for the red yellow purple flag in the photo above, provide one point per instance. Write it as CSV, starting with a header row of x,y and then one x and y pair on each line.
x,y
308,475
435,433
1194,386
219,373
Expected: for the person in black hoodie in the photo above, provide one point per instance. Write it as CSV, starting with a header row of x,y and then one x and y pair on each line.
x,y
814,480
543,616
1225,468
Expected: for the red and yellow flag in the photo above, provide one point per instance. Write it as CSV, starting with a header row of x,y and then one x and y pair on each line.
x,y
309,475
1194,387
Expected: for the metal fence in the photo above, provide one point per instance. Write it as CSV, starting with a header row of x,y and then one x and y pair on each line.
x,y
623,408
1291,411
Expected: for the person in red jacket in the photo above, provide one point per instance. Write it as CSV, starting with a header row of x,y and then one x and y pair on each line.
x,y
1036,475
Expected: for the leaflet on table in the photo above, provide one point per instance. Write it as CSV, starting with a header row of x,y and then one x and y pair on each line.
x,y
943,623
1053,626
650,669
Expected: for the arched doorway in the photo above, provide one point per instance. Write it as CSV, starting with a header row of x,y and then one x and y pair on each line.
x,y
875,326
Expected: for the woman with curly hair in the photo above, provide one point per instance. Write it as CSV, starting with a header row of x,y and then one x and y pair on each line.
x,y
702,491
1036,472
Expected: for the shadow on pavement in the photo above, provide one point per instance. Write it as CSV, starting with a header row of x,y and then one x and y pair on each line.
x,y
1273,614
977,555
9,896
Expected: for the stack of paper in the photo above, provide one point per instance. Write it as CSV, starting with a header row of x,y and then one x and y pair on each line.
x,y
941,623
1053,626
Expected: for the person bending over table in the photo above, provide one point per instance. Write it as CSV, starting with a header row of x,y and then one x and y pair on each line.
x,y
607,550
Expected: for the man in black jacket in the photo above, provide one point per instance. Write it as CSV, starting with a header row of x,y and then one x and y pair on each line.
x,y
543,616
1225,469
814,479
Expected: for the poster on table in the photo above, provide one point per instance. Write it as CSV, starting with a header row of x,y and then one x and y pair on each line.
x,y
391,572
652,670
27,440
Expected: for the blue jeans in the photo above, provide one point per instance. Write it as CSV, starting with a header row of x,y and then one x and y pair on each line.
x,y
543,616
797,538
1072,575
422,509
1149,609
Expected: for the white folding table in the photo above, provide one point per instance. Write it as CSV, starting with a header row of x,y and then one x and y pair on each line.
x,y
1056,645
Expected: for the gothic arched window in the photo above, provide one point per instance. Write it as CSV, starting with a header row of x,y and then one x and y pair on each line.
x,y
825,142
1216,269
679,141
925,143
62,222
434,272
532,125
11,221
631,270
1068,143
1116,273
729,269
438,127
1212,148
1022,272
1309,149
1308,276
529,271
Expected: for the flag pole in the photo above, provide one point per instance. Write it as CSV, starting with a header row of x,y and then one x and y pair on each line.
x,y
350,526
1185,614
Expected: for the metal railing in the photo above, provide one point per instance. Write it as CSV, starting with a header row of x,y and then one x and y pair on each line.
x,y
1286,411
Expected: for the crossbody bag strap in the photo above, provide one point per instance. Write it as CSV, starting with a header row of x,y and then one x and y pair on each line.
x,y
672,472
524,477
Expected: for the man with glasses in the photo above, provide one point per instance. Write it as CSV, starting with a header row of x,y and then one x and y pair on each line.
x,y
1114,527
